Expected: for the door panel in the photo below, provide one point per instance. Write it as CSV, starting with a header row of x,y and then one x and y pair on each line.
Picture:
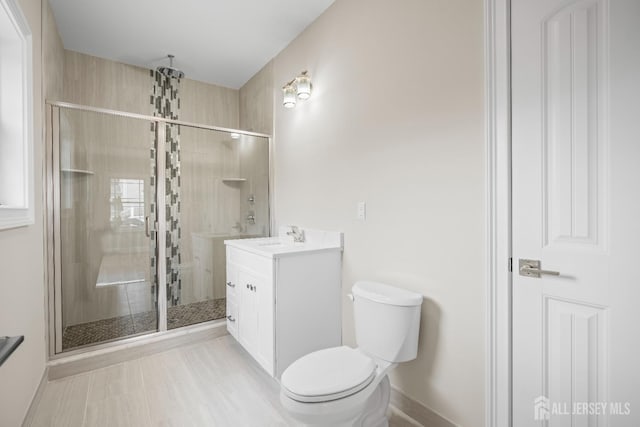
x,y
576,192
265,307
573,143
248,312
106,251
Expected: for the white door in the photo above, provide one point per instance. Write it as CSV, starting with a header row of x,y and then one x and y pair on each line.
x,y
576,208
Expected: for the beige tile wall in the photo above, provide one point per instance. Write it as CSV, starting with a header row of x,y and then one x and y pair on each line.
x,y
53,56
257,100
254,166
98,82
256,115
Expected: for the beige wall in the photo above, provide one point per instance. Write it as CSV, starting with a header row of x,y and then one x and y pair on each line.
x,y
396,120
22,267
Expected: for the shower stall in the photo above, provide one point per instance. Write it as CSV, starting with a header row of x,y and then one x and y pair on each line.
x,y
140,207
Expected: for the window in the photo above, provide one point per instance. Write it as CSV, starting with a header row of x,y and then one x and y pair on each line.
x,y
16,118
127,204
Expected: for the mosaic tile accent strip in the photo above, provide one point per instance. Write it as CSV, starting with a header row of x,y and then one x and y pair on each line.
x,y
165,102
139,323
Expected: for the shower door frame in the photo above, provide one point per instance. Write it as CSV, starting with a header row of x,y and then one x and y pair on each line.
x,y
52,222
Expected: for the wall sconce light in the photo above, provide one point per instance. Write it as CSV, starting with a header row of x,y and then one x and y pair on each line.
x,y
303,84
298,88
289,95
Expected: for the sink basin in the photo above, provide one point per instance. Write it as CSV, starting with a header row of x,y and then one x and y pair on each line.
x,y
279,243
272,244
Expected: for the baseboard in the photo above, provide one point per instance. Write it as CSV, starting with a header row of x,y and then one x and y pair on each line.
x,y
89,360
416,411
31,412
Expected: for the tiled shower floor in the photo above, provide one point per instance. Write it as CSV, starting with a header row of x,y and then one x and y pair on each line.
x,y
134,324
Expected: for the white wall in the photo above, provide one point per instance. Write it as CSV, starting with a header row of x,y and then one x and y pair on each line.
x,y
396,120
22,271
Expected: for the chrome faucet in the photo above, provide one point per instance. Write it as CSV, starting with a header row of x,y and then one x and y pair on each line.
x,y
296,233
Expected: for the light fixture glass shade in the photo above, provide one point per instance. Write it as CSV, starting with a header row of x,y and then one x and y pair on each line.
x,y
303,85
289,96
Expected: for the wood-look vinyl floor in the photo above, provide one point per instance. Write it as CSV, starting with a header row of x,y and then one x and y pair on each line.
x,y
212,383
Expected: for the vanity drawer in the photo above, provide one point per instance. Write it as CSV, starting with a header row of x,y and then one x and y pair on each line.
x,y
258,265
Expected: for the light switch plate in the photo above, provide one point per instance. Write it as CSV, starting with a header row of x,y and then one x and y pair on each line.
x,y
362,211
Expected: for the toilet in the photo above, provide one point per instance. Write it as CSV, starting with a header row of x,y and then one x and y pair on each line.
x,y
344,386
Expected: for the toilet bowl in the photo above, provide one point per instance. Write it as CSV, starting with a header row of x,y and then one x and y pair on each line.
x,y
344,386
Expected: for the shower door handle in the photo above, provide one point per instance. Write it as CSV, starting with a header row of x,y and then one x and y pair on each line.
x,y
146,226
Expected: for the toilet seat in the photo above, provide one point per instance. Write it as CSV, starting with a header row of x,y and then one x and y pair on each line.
x,y
328,374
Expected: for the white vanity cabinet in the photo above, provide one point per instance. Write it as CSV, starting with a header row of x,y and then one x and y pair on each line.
x,y
283,300
250,304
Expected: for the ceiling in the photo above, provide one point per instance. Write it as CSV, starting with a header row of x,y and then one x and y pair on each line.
x,y
214,41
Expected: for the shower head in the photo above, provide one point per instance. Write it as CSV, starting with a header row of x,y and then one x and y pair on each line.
x,y
170,71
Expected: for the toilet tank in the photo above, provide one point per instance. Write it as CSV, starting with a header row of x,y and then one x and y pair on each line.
x,y
387,321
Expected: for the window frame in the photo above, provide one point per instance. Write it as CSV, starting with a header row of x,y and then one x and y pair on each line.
x,y
139,202
22,214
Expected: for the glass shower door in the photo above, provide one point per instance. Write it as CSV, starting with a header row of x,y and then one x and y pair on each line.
x,y
106,248
141,209
222,193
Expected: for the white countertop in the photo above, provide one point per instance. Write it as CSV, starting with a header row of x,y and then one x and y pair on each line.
x,y
283,245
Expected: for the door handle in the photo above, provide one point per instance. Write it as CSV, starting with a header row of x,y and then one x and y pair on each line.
x,y
146,226
531,268
231,318
231,285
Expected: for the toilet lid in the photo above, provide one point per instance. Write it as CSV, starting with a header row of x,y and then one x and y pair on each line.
x,y
328,374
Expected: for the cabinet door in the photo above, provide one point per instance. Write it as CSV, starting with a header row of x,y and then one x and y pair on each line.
x,y
247,311
256,317
265,303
